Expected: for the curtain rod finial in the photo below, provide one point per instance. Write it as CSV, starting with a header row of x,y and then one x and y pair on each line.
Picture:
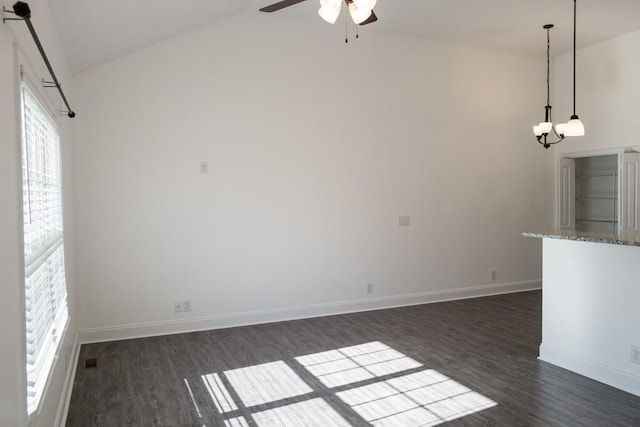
x,y
22,9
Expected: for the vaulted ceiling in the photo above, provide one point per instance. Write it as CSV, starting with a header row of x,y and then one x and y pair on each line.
x,y
96,31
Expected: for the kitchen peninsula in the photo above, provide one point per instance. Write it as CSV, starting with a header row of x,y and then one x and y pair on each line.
x,y
591,305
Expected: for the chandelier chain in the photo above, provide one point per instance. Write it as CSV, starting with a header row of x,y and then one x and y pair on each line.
x,y
548,64
574,55
543,135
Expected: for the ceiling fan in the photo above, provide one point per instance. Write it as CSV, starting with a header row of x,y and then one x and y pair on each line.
x,y
361,11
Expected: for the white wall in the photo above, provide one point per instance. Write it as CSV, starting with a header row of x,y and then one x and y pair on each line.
x,y
12,359
590,317
314,148
607,89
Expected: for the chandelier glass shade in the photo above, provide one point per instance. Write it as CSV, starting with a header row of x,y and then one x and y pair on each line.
x,y
575,127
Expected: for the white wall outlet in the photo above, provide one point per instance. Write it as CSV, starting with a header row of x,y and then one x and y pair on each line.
x,y
204,167
186,305
177,306
369,288
404,221
635,354
493,275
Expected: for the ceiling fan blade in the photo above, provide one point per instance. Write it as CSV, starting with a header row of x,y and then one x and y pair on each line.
x,y
280,5
370,19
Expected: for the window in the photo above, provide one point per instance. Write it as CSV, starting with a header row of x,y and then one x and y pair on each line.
x,y
45,284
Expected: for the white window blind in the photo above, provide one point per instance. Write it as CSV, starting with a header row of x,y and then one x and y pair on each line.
x,y
45,283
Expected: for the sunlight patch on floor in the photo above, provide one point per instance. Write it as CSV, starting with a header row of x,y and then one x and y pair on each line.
x,y
269,382
422,398
193,399
362,362
219,394
236,422
400,399
310,413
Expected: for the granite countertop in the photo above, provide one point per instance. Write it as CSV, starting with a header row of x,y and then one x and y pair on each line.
x,y
582,236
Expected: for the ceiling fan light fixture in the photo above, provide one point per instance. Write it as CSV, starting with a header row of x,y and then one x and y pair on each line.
x,y
365,4
329,14
361,11
331,4
358,14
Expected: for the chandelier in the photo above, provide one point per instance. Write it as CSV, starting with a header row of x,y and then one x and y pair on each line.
x,y
545,129
574,127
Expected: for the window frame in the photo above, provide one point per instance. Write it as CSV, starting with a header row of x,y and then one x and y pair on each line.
x,y
54,335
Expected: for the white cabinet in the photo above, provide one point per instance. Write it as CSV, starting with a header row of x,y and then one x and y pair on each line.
x,y
630,194
599,193
566,192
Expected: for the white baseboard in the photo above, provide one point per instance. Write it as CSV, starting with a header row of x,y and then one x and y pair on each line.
x,y
194,324
590,369
65,399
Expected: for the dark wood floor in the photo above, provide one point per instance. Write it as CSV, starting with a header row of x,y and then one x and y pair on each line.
x,y
483,351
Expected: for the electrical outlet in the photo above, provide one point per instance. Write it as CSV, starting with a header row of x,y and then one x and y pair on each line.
x,y
635,354
186,305
404,221
204,167
493,275
177,306
369,288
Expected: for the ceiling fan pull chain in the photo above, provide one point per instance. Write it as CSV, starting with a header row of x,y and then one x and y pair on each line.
x,y
346,29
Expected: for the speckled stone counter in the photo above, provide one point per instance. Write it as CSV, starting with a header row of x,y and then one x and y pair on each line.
x,y
581,236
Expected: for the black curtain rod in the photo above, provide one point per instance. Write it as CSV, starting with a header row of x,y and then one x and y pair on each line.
x,y
22,10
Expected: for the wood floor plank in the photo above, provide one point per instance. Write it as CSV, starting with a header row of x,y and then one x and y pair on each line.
x,y
488,345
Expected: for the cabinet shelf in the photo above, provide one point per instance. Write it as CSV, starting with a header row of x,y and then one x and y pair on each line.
x,y
602,173
605,221
600,193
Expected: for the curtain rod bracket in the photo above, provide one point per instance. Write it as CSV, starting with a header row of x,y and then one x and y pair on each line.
x,y
23,10
5,19
50,84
